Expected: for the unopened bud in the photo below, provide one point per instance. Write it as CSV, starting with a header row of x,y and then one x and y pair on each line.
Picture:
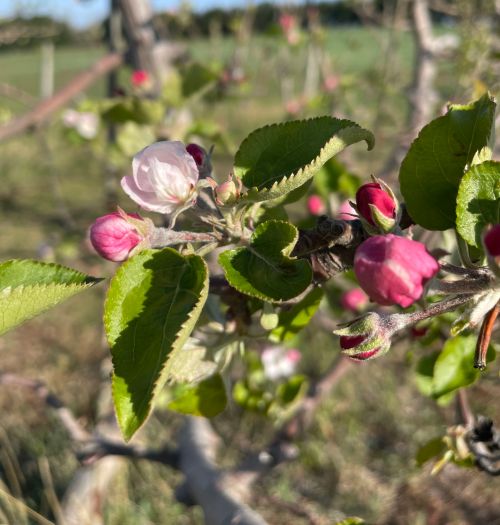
x,y
393,270
491,243
116,235
202,159
366,337
315,205
377,206
354,300
227,193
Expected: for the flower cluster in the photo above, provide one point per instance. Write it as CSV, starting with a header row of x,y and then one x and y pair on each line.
x,y
165,179
390,268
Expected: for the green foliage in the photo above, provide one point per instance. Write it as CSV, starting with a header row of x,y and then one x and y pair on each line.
x,y
292,321
333,177
478,201
434,165
138,110
27,288
207,398
152,306
275,160
264,268
429,450
195,78
440,374
133,137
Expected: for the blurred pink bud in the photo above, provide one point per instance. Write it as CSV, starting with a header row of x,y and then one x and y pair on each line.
x,y
354,300
293,107
139,78
287,22
492,241
279,363
114,237
372,194
228,192
393,270
164,178
347,212
331,83
351,341
315,205
418,331
202,159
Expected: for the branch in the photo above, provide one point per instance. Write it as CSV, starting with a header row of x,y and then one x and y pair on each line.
x,y
48,106
206,485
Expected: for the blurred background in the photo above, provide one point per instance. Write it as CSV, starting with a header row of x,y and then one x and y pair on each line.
x,y
86,84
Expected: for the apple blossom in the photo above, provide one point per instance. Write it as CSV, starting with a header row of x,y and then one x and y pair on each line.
x,y
393,270
164,178
115,235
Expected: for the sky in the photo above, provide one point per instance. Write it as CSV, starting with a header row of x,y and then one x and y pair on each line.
x,y
82,13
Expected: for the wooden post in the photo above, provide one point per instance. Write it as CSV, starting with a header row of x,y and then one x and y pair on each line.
x,y
47,69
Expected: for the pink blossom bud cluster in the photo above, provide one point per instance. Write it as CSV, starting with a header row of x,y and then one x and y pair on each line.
x,y
85,123
491,243
165,179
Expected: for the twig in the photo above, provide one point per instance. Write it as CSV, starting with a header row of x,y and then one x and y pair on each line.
x,y
47,107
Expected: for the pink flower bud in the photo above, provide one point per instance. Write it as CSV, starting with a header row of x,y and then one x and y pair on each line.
x,y
347,212
164,178
315,205
331,83
201,157
492,241
351,341
228,192
393,270
354,300
372,194
114,237
139,78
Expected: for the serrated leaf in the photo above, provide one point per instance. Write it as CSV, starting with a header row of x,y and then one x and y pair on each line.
x,y
207,398
478,201
152,306
27,288
275,160
265,269
434,165
292,321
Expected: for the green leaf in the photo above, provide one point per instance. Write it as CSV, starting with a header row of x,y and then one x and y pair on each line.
x,y
292,321
454,366
434,165
27,288
207,398
152,306
275,160
264,269
431,449
351,521
478,201
293,389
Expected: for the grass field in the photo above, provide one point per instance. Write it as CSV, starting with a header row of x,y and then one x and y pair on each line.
x,y
359,456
